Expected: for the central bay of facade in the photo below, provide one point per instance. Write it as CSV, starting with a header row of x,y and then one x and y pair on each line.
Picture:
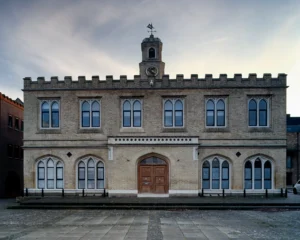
x,y
153,134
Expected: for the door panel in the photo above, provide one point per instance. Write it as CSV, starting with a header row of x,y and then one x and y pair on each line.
x,y
153,179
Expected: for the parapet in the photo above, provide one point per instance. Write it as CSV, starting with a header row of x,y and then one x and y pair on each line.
x,y
252,81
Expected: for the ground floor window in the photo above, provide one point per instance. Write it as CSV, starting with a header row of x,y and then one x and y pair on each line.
x,y
215,173
50,173
258,173
90,173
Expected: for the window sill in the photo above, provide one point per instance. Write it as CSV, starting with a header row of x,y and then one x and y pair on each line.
x,y
132,130
216,129
49,131
90,130
260,129
173,130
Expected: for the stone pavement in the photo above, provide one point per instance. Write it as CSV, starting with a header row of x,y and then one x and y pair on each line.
x,y
147,225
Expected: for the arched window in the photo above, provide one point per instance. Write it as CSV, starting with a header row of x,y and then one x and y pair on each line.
x,y
45,115
262,173
50,174
136,113
252,113
59,175
41,175
210,113
151,53
225,175
85,114
248,175
168,115
90,174
178,113
220,113
81,175
206,175
267,175
257,174
215,174
54,115
263,116
95,114
126,114
100,175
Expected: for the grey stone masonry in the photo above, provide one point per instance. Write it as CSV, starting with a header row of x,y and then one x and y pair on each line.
x,y
208,82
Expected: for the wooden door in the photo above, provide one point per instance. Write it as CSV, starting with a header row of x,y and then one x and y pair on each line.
x,y
153,179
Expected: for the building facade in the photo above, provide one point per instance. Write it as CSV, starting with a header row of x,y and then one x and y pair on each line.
x,y
293,150
155,135
11,142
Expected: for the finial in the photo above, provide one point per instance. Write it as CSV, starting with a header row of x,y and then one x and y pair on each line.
x,y
150,26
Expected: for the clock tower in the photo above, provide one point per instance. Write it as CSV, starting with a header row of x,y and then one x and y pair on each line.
x,y
152,64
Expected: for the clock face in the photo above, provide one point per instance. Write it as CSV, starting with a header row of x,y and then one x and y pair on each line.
x,y
152,71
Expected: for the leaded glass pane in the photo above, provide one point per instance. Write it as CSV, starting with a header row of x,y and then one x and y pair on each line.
x,y
248,184
178,105
41,174
136,118
55,119
81,173
215,173
59,173
100,164
50,173
91,173
225,184
50,163
126,119
59,184
215,184
45,119
225,173
85,119
54,106
81,184
100,184
257,184
50,184
220,105
178,118
262,118
252,104
41,184
168,119
210,105
95,119
126,106
100,173
252,118
210,121
205,184
205,173
95,106
248,173
136,106
268,184
220,118
91,184
262,105
267,173
168,105
85,106
45,106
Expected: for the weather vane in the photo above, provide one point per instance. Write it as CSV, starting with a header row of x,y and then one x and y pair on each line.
x,y
150,26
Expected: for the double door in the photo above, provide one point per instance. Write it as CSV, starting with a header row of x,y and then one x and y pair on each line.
x,y
153,179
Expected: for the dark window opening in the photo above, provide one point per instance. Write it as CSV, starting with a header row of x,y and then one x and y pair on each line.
x,y
17,127
10,121
151,53
10,150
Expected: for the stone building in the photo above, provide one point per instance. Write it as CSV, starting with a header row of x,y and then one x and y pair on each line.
x,y
155,135
11,142
293,150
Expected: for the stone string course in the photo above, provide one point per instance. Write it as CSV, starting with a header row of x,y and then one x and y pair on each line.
x,y
180,82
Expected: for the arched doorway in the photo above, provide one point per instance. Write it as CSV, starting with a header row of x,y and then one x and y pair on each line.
x,y
153,175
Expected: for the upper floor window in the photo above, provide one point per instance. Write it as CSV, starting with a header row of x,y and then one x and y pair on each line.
x,y
17,126
173,113
22,125
151,53
90,114
132,113
258,112
10,121
215,113
50,114
289,163
50,173
10,150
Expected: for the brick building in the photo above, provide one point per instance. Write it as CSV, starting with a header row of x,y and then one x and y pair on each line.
x,y
11,142
156,135
293,150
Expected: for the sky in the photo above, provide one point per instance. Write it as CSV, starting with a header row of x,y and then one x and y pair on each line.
x,y
97,37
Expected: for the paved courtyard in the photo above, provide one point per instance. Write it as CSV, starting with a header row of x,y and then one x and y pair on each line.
x,y
135,224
